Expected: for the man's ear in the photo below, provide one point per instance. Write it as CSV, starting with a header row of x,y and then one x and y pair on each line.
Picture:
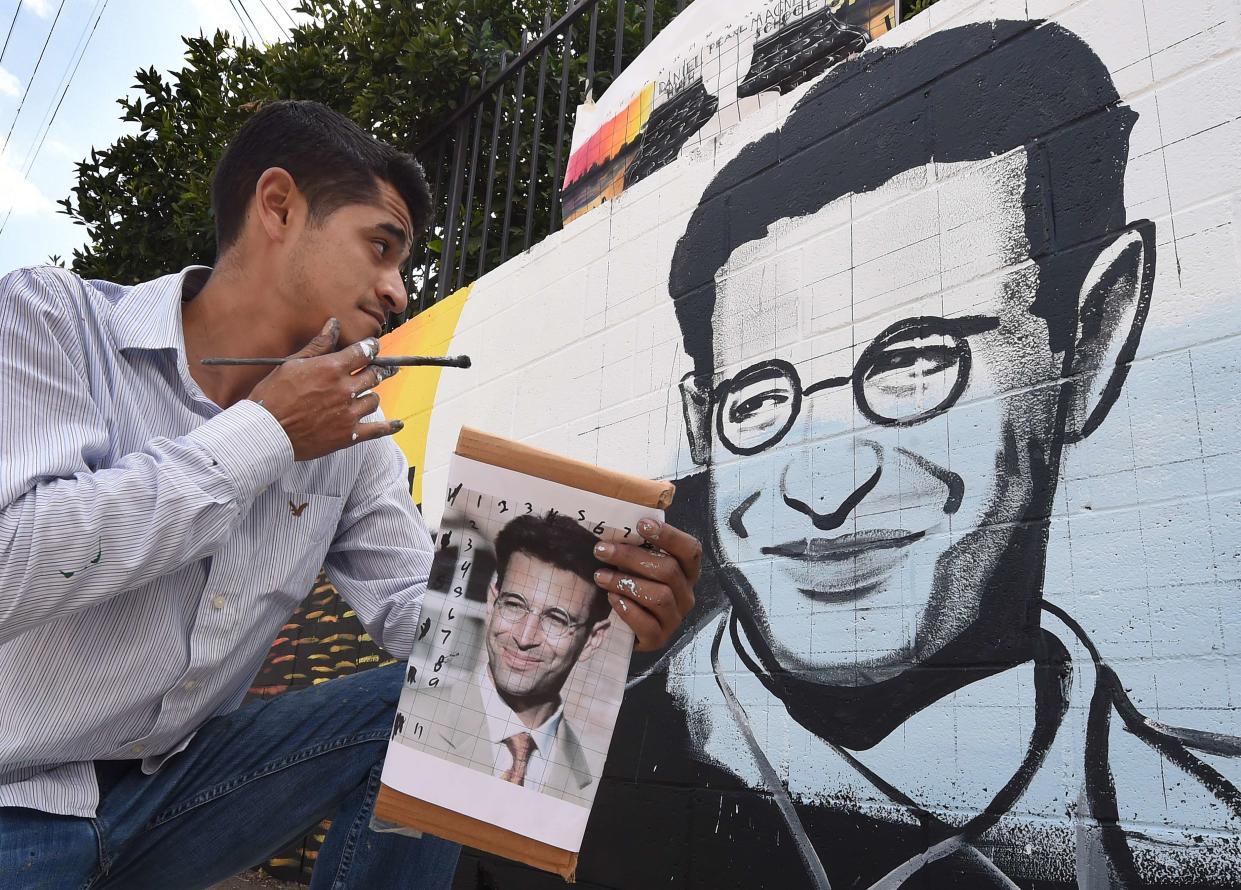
x,y
595,640
1112,311
696,404
276,198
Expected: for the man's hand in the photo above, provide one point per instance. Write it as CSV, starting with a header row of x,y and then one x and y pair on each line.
x,y
320,395
653,591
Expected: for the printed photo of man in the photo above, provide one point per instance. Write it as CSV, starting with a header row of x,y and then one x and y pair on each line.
x,y
545,616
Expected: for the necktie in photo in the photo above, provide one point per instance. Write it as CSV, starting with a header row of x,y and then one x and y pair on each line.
x,y
520,745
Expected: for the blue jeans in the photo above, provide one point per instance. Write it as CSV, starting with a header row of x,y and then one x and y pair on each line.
x,y
250,783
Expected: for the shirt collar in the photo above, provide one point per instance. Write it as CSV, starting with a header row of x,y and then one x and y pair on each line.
x,y
502,722
149,315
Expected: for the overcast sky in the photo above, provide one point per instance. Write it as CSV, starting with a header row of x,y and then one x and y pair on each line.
x,y
131,34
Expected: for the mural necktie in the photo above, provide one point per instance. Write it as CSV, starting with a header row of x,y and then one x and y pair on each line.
x,y
520,745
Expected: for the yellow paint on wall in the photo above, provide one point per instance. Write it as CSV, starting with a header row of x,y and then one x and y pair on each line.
x,y
410,395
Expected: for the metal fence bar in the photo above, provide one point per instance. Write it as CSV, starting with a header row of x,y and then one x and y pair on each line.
x,y
449,244
566,62
468,220
491,172
520,95
649,31
620,38
590,54
534,145
435,193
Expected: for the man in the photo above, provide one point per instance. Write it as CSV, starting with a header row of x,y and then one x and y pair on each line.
x,y
545,616
161,519
901,306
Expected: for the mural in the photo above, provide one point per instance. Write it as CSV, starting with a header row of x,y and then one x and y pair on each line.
x,y
939,346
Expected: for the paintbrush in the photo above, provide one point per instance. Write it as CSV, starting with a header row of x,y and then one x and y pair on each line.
x,y
391,361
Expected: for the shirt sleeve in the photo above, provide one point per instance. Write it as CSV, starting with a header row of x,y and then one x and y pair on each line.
x,y
73,534
381,557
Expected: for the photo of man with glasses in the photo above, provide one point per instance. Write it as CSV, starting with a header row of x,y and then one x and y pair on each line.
x,y
545,616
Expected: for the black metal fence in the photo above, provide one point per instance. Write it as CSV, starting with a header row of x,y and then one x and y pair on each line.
x,y
495,164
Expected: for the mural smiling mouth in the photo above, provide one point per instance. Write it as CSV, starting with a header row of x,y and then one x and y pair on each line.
x,y
847,567
843,547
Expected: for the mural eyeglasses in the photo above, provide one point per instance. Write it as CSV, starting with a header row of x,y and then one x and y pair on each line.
x,y
914,370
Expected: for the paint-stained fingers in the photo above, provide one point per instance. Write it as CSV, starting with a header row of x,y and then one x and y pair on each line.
x,y
653,565
685,548
358,355
364,405
643,598
368,378
648,635
366,431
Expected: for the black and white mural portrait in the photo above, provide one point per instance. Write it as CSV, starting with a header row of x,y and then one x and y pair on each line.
x,y
940,346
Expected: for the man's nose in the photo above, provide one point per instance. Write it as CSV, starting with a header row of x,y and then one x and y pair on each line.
x,y
828,499
392,293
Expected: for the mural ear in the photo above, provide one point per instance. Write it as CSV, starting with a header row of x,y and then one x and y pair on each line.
x,y
1112,311
696,403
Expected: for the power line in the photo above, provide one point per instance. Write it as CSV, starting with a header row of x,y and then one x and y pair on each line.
x,y
80,50
30,82
271,15
242,22
29,164
288,15
10,34
242,4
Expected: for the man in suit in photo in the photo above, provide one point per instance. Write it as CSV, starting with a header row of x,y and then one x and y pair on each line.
x,y
545,616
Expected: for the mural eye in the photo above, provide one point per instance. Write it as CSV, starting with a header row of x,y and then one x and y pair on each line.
x,y
914,377
905,366
761,408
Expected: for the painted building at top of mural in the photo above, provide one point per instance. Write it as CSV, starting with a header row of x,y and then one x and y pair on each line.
x,y
716,63
939,347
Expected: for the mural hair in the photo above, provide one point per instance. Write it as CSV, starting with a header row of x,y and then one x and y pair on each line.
x,y
964,94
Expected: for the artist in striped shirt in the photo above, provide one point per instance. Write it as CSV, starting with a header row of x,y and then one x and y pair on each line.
x,y
161,519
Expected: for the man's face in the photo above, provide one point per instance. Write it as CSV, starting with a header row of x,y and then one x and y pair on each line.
x,y
879,376
348,265
538,627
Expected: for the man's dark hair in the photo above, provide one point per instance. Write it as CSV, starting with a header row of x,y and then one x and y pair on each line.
x,y
333,161
555,539
962,94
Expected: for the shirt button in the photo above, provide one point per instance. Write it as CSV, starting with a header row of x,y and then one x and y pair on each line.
x,y
263,490
218,603
138,749
189,685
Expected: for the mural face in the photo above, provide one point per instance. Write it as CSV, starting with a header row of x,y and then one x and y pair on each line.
x,y
954,419
832,486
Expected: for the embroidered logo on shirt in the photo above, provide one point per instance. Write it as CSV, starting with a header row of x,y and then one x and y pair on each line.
x,y
95,561
296,509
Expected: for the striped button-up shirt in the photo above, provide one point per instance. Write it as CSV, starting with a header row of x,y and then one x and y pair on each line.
x,y
151,543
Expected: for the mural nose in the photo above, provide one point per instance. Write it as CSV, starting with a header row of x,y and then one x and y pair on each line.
x,y
830,511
